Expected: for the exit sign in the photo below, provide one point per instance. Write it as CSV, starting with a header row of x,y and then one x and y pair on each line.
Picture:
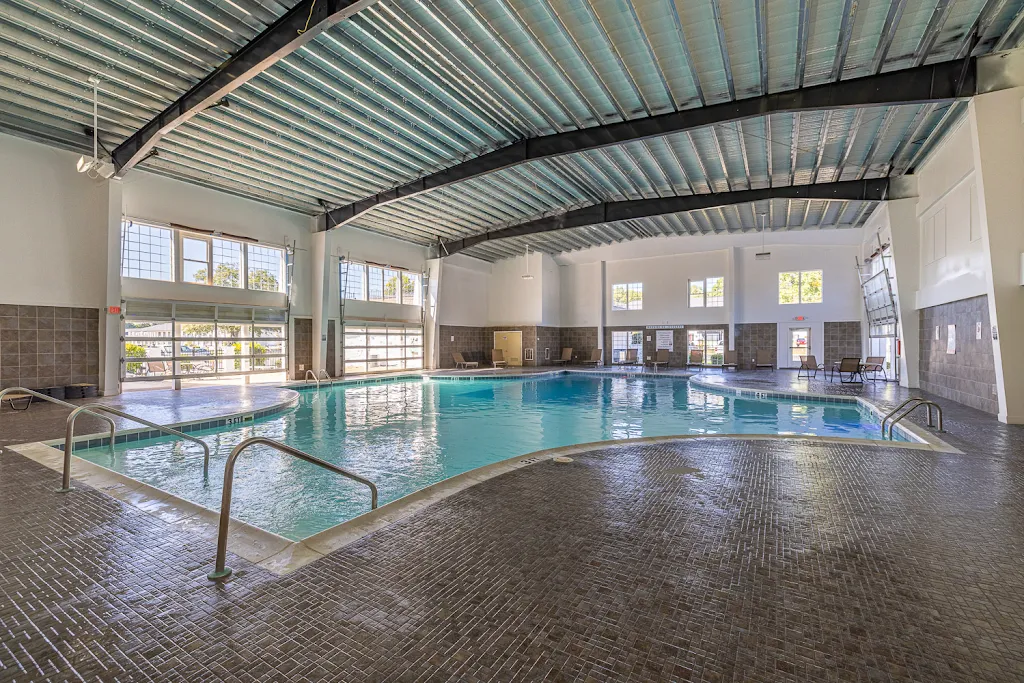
x,y
114,310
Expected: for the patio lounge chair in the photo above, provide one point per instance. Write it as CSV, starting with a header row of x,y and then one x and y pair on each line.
x,y
630,359
14,396
498,358
730,360
875,365
764,359
566,356
660,359
596,358
809,367
461,362
848,366
695,359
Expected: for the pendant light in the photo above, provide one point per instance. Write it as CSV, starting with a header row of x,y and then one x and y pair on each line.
x,y
526,275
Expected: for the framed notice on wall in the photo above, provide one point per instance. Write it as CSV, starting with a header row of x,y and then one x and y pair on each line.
x,y
951,339
664,340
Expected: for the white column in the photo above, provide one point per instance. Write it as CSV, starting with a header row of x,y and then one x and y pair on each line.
x,y
906,260
110,323
733,277
432,314
997,134
320,290
602,317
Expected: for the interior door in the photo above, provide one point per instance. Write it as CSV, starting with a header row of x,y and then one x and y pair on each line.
x,y
511,344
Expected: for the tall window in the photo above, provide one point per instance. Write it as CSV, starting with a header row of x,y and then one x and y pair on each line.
x,y
227,263
411,295
392,290
710,344
146,252
352,280
266,268
628,297
800,287
375,289
195,259
623,341
709,292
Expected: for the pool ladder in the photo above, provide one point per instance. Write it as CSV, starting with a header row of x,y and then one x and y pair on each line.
x,y
316,377
220,570
914,404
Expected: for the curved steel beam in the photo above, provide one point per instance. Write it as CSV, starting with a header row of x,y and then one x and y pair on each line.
x,y
931,83
875,189
296,27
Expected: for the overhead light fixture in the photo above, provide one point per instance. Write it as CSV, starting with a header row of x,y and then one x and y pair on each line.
x,y
94,167
764,254
526,275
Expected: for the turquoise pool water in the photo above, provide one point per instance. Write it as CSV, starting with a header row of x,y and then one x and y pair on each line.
x,y
407,435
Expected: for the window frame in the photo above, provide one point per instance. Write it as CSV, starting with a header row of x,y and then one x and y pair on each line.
x,y
706,300
281,270
127,243
800,286
630,287
386,274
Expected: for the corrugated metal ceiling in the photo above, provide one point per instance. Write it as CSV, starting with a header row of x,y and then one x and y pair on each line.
x,y
408,87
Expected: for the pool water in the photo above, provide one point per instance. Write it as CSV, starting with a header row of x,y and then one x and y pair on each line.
x,y
406,435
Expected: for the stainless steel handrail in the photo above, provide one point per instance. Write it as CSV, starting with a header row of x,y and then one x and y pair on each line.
x,y
327,376
51,399
305,380
913,399
220,571
69,438
914,407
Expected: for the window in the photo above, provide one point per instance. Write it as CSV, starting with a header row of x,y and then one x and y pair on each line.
x,y
709,292
227,263
800,287
266,268
696,293
146,252
195,260
364,282
352,280
628,297
710,344
623,341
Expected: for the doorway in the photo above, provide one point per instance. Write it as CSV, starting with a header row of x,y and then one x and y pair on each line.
x,y
511,344
799,345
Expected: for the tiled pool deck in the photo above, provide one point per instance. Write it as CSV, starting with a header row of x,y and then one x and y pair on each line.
x,y
700,559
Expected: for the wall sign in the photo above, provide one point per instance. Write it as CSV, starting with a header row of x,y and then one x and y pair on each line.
x,y
977,331
114,310
665,340
951,339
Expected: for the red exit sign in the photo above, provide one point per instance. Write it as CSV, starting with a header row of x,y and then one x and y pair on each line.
x,y
114,310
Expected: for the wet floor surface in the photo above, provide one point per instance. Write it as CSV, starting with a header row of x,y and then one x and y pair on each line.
x,y
703,559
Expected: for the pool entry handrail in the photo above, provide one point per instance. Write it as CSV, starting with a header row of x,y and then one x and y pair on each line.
x,y
310,373
51,399
327,376
222,572
70,433
909,406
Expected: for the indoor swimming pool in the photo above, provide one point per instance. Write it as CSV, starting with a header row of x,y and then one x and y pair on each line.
x,y
406,435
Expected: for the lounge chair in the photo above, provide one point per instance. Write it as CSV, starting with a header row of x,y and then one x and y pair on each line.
x,y
461,362
566,356
631,358
764,359
157,367
875,365
808,366
596,358
695,359
660,359
730,360
14,396
851,367
498,358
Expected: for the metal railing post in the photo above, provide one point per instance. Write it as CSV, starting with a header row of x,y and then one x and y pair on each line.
x,y
69,435
316,379
220,570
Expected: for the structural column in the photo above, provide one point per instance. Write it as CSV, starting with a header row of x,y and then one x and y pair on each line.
x,y
997,134
110,323
320,289
906,259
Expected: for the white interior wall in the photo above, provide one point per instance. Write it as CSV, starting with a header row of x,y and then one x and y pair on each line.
x,y
664,279
513,300
464,292
580,294
54,228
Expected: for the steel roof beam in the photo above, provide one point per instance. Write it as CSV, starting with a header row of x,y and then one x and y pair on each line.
x,y
614,212
297,27
930,83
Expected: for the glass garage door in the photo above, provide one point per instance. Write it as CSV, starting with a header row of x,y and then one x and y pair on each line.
x,y
382,347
